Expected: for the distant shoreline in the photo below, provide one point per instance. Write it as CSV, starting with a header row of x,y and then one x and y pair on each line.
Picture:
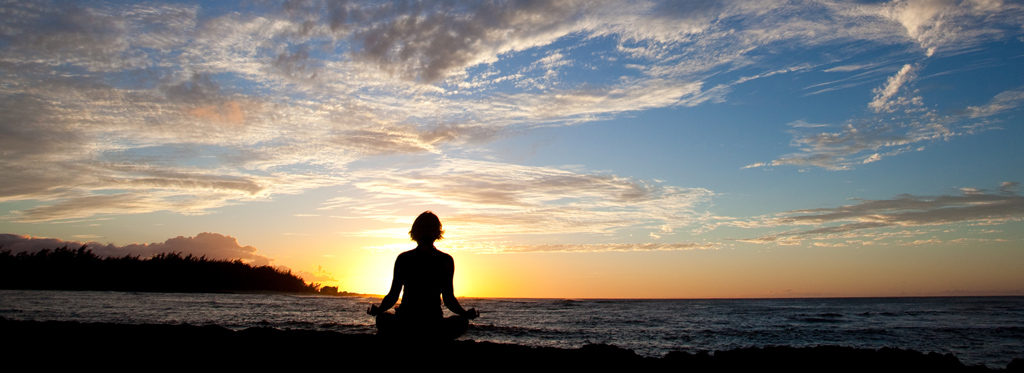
x,y
64,268
108,344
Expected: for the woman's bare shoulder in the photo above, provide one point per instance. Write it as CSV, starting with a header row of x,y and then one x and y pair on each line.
x,y
447,261
444,255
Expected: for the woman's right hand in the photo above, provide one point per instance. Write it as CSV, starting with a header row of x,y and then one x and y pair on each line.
x,y
373,310
471,313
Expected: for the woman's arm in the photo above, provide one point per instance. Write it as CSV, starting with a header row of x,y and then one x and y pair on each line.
x,y
389,300
448,295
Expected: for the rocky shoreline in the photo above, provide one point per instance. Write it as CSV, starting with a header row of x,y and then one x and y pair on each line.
x,y
73,344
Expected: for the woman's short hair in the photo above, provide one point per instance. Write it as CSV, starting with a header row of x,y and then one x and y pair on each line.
x,y
427,227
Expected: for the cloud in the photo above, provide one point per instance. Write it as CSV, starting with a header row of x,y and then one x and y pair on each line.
x,y
129,188
95,38
502,199
199,89
591,248
85,206
604,102
429,41
847,68
905,211
905,125
210,245
407,39
142,107
1009,187
508,248
935,25
1004,101
804,124
319,274
855,144
948,24
922,20
883,100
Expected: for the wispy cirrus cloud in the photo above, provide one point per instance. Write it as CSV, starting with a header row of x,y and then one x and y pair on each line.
x,y
176,107
856,144
936,26
1004,101
903,125
492,199
906,212
501,247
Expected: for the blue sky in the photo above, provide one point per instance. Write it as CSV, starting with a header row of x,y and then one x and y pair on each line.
x,y
309,134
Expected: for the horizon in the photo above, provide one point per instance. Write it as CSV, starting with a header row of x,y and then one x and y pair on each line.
x,y
572,150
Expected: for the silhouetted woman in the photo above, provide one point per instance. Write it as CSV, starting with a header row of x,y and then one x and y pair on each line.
x,y
426,274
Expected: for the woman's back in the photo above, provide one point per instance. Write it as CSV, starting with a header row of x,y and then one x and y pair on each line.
x,y
424,272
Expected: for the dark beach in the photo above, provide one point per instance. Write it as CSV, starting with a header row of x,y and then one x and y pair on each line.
x,y
171,346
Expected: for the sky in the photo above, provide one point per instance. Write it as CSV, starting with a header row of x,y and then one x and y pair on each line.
x,y
576,149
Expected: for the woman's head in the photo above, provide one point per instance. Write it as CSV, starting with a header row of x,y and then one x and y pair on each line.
x,y
426,228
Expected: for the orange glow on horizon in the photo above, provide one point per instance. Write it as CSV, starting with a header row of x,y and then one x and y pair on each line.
x,y
789,272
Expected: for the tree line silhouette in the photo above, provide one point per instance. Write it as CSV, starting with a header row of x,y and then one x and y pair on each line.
x,y
81,269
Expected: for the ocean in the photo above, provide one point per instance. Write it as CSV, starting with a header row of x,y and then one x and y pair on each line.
x,y
978,330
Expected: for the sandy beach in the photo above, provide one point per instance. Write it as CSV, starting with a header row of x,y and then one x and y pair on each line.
x,y
173,346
